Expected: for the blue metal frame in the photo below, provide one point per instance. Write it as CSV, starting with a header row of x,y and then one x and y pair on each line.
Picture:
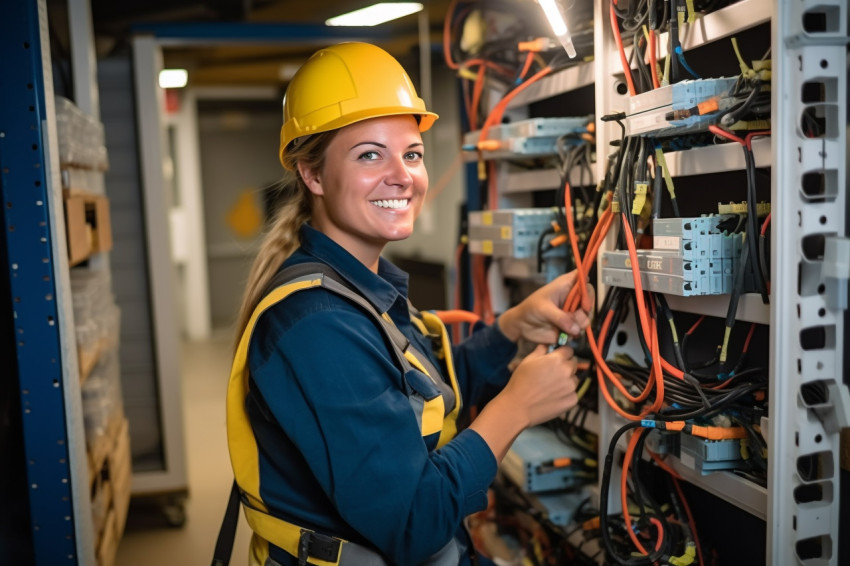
x,y
24,184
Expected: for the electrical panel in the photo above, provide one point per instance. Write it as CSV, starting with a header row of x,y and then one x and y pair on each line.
x,y
709,210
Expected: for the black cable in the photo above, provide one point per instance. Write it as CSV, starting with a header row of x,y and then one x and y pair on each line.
x,y
603,506
674,41
547,232
736,113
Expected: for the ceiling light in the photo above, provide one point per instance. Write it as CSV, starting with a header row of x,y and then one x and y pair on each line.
x,y
559,24
375,14
173,78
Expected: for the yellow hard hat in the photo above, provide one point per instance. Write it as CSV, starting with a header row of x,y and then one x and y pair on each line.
x,y
346,83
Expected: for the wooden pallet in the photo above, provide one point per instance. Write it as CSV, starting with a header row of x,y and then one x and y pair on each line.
x,y
110,476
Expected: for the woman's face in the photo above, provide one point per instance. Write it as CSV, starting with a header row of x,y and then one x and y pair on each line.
x,y
372,185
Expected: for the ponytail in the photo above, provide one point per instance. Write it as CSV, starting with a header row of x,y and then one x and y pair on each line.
x,y
282,238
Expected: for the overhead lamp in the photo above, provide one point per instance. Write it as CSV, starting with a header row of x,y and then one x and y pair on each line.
x,y
173,78
558,22
375,14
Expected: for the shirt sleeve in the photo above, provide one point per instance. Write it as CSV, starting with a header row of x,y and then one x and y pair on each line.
x,y
481,363
341,401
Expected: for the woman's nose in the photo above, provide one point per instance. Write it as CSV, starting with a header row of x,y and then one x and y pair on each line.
x,y
398,173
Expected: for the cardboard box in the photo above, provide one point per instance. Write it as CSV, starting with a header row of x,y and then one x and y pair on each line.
x,y
87,225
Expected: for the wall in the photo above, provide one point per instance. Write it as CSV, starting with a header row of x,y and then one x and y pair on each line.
x,y
239,144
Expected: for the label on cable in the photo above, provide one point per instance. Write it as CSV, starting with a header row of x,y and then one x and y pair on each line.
x,y
641,190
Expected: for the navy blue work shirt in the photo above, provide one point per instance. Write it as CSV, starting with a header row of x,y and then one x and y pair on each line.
x,y
339,446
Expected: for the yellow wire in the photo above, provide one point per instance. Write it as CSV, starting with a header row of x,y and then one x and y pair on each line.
x,y
668,180
665,80
585,385
745,70
724,350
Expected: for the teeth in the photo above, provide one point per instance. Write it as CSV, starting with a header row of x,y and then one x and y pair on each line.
x,y
392,203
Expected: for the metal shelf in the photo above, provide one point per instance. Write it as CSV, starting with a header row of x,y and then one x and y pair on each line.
x,y
537,180
716,158
750,307
733,489
571,78
723,23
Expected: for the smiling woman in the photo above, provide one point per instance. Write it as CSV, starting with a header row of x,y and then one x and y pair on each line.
x,y
344,401
374,190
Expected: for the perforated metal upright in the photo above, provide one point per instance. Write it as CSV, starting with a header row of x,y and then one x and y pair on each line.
x,y
811,265
34,236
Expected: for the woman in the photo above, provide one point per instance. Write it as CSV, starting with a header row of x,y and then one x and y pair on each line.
x,y
331,430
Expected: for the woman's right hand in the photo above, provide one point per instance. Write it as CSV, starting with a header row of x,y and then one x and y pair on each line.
x,y
543,385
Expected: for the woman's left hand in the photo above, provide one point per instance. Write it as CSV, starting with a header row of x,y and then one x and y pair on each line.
x,y
540,317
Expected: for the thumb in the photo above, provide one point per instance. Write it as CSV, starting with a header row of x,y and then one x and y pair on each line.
x,y
538,352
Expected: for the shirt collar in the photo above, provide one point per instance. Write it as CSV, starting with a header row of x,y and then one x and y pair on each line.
x,y
382,289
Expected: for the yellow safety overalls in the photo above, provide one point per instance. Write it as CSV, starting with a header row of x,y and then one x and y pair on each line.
x,y
436,415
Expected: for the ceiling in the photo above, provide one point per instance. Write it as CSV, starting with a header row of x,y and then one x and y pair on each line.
x,y
242,61
262,42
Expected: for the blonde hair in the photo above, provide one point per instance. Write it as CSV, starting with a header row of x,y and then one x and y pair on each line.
x,y
282,238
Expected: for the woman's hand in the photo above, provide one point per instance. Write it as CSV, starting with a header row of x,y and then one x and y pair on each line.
x,y
542,387
540,317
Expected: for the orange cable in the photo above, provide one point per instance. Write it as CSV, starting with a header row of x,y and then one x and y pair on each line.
x,y
630,450
476,97
529,58
615,28
447,53
653,63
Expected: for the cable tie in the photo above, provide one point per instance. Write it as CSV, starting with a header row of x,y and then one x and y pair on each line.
x,y
613,117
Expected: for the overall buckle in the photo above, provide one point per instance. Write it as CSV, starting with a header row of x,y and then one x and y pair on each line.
x,y
319,546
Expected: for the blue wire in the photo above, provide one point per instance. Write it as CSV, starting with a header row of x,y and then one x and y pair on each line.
x,y
684,63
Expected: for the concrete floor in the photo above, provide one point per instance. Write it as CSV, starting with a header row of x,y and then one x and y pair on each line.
x,y
147,541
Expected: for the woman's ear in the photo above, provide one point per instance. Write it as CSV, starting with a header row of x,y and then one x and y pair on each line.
x,y
311,179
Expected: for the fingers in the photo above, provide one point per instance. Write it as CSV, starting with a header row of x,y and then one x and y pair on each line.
x,y
539,351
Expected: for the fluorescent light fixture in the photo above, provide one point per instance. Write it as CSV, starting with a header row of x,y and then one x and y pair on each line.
x,y
375,14
559,24
173,78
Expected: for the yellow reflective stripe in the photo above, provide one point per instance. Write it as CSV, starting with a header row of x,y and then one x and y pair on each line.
x,y
434,411
433,414
244,455
435,325
283,534
258,551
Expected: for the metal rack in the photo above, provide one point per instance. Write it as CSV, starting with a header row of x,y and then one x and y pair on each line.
x,y
34,236
808,396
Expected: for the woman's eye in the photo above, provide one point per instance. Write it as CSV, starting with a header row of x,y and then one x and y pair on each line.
x,y
413,155
369,155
